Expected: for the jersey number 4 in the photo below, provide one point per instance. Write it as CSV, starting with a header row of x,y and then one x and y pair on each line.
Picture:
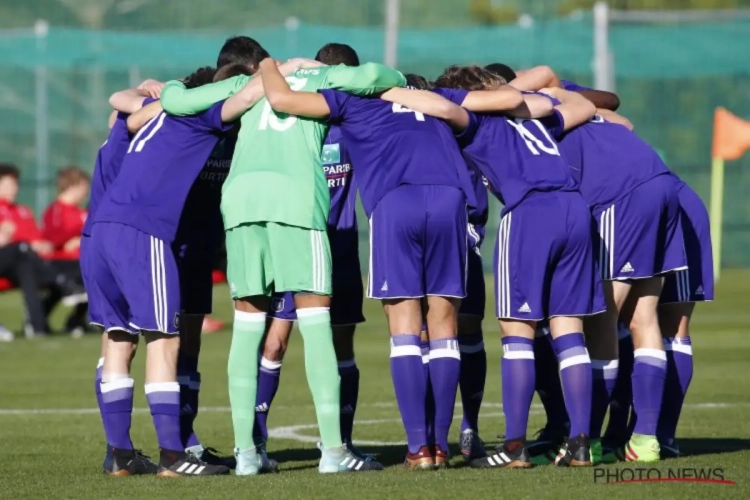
x,y
269,119
534,143
397,108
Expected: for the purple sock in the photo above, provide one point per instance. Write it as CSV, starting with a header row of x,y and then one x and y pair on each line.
x,y
472,378
548,382
575,376
190,386
410,386
679,373
117,411
269,376
649,373
349,374
622,394
445,367
429,403
98,391
517,368
164,401
604,373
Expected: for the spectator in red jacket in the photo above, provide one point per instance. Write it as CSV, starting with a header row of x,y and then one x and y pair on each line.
x,y
62,225
64,218
22,252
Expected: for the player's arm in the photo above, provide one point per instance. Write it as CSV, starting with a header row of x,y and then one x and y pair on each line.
x,y
601,99
535,78
237,105
366,79
112,119
130,100
429,103
613,117
533,106
143,115
284,100
177,100
574,108
503,99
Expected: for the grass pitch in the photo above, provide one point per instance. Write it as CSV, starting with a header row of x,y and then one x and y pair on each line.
x,y
52,439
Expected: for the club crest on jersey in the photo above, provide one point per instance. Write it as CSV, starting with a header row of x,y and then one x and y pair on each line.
x,y
331,154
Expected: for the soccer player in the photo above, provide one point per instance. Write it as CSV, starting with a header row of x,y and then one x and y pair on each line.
x,y
138,280
635,202
540,273
282,247
348,293
424,212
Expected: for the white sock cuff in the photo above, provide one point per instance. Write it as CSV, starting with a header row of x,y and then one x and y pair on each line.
x,y
308,312
348,363
270,365
248,317
580,359
100,363
604,364
652,353
113,377
152,387
113,385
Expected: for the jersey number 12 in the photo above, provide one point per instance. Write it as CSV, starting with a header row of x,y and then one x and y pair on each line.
x,y
269,119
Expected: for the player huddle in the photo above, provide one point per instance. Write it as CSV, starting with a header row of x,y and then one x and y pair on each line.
x,y
269,157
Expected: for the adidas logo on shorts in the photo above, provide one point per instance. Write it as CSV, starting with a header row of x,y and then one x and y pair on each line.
x,y
627,268
524,308
699,291
384,288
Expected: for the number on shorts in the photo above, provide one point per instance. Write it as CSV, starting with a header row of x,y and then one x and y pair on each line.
x,y
532,142
269,119
139,141
397,108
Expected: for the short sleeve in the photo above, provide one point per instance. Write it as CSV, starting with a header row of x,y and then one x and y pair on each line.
x,y
554,123
456,96
337,102
572,86
467,136
211,118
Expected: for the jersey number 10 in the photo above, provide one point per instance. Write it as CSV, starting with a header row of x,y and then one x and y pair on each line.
x,y
269,119
532,142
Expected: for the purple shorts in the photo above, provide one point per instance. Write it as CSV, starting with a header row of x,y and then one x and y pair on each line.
x,y
135,275
544,260
473,303
696,283
94,300
418,243
641,233
282,306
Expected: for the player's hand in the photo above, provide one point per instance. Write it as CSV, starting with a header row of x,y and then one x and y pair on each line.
x,y
303,63
550,91
152,88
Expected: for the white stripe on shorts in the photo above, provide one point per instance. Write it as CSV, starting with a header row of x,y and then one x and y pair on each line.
x,y
503,276
607,243
682,279
369,264
159,283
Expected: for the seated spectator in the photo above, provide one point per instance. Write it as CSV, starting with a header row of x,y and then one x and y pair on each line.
x,y
22,253
62,225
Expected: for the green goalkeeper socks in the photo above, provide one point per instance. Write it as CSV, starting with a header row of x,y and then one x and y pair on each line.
x,y
247,334
322,371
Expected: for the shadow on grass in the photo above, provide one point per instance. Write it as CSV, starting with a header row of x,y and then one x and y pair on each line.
x,y
692,447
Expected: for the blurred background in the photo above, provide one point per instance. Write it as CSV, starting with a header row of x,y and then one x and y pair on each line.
x,y
671,61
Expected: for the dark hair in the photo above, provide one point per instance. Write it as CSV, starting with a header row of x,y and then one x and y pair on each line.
x,y
241,50
231,70
201,76
502,70
417,81
468,78
70,176
9,170
337,53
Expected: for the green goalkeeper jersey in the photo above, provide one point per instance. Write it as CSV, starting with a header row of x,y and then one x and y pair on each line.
x,y
276,173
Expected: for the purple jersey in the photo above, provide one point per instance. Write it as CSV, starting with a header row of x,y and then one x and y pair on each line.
x,y
394,146
608,160
518,157
573,87
162,161
339,174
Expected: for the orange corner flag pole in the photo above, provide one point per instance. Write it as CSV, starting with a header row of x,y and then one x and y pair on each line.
x,y
731,140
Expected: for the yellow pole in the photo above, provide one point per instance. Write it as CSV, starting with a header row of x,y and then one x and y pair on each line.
x,y
717,211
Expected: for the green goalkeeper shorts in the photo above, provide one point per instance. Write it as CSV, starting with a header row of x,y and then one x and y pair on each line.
x,y
267,257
